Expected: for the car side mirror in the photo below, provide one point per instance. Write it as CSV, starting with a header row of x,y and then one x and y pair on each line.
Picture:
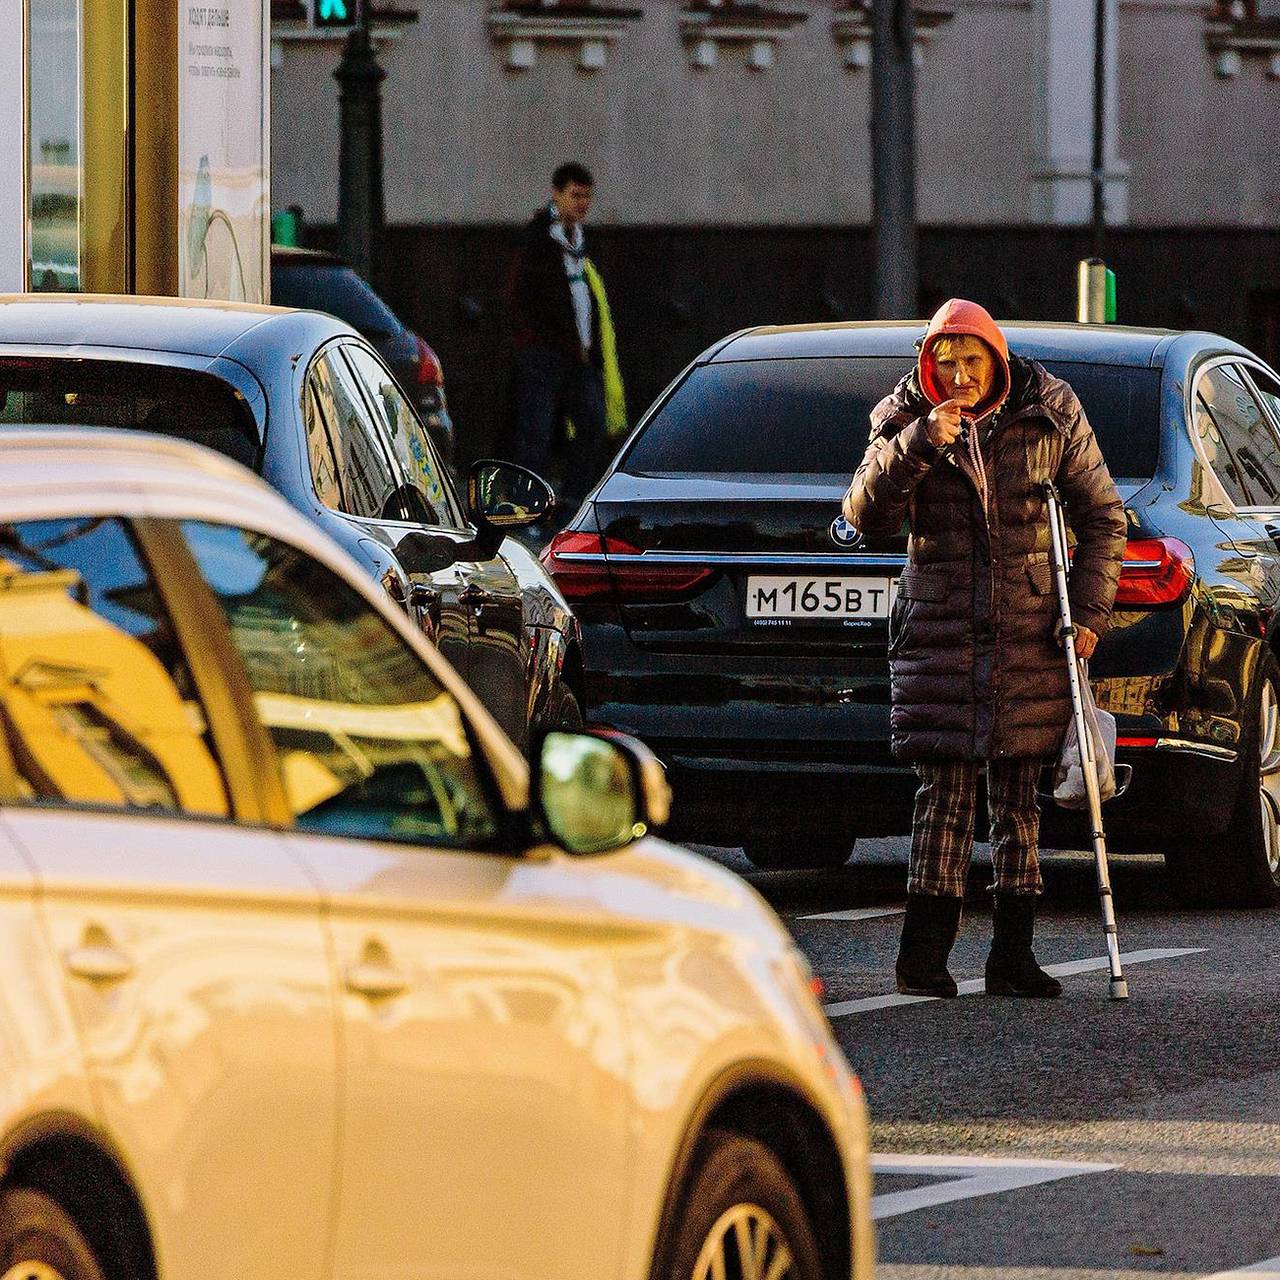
x,y
501,495
597,791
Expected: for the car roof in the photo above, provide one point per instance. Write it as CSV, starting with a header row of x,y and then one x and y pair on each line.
x,y
1045,340
127,322
52,470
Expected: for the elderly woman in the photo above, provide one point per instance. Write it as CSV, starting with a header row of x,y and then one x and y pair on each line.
x,y
961,450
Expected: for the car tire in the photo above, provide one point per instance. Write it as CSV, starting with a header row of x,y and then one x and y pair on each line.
x,y
739,1189
1241,866
39,1241
798,853
563,710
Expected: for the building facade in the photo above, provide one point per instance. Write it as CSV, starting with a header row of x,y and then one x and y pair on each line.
x,y
752,114
731,148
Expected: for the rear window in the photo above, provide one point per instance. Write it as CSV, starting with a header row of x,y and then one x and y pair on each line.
x,y
810,416
335,288
143,397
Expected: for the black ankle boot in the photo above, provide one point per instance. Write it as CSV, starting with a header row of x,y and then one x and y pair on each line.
x,y
1011,966
928,933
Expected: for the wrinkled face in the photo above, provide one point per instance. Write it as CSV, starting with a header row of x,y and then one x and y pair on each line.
x,y
966,369
573,200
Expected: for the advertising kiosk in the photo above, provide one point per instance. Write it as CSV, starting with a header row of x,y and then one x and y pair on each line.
x,y
144,163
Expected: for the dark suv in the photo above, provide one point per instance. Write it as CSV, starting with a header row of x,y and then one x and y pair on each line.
x,y
736,623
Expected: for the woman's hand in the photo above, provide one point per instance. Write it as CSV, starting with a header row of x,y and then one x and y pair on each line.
x,y
1086,642
942,425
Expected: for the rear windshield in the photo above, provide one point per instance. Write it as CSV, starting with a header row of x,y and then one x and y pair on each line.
x,y
810,416
143,397
335,288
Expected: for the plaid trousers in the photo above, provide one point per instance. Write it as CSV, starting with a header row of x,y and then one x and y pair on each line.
x,y
942,831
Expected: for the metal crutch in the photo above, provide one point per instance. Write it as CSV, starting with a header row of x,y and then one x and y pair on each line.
x,y
1119,988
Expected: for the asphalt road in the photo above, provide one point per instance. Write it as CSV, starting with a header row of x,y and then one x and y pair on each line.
x,y
1081,1137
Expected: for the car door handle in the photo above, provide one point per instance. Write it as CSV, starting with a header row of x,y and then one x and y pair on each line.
x,y
376,979
98,959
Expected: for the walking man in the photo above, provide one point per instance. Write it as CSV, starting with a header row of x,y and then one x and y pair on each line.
x,y
566,352
961,449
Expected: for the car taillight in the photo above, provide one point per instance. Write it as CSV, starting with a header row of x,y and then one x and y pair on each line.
x,y
430,372
589,566
1156,571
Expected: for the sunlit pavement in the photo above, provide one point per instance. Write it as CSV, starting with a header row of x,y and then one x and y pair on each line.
x,y
1074,1138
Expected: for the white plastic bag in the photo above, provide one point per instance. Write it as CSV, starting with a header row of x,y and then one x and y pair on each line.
x,y
1068,775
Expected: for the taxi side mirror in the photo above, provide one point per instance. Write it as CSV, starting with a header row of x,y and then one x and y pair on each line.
x,y
597,791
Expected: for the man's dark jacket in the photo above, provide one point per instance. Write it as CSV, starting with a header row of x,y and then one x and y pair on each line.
x,y
539,296
976,671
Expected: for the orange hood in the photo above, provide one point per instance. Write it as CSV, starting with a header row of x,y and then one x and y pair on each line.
x,y
954,318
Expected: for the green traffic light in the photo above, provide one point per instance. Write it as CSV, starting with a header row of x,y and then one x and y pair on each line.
x,y
334,13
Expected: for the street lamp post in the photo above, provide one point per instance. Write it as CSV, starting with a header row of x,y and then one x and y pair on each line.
x,y
1099,174
360,203
893,157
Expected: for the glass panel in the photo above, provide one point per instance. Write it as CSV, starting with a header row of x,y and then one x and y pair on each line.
x,y
97,705
320,455
368,486
103,393
424,497
809,416
1237,438
54,176
370,744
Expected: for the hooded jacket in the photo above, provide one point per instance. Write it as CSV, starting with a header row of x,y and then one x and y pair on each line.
x,y
976,672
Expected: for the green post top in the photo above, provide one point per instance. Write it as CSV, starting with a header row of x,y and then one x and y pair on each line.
x,y
1110,310
284,228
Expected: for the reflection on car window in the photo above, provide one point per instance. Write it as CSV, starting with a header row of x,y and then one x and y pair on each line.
x,y
97,705
365,483
424,497
370,744
1236,437
1268,389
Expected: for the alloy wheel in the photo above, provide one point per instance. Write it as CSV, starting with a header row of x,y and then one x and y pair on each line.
x,y
1269,775
744,1244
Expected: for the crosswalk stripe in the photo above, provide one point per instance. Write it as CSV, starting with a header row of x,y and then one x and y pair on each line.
x,y
965,1177
856,913
972,986
1268,1270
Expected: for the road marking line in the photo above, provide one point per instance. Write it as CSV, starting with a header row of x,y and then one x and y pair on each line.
x,y
967,1177
857,913
972,986
1270,1270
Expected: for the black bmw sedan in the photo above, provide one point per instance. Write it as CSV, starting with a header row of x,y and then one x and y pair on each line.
x,y
305,401
737,624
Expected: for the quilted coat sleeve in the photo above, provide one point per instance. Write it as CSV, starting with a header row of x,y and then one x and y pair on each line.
x,y
1095,512
899,455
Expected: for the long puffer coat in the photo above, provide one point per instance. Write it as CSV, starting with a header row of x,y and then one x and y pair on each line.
x,y
977,673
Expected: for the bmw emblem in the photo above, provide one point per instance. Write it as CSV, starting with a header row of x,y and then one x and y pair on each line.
x,y
843,534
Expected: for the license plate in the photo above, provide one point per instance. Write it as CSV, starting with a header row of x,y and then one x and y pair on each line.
x,y
817,599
